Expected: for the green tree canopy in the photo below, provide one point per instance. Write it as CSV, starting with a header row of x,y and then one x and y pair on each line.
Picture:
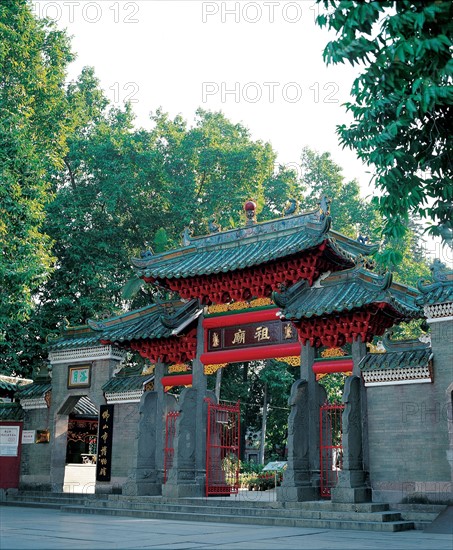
x,y
401,102
33,128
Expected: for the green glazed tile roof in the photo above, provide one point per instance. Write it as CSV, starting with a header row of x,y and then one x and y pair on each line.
x,y
253,245
151,322
75,337
31,391
439,291
11,411
85,407
396,360
120,384
344,291
7,386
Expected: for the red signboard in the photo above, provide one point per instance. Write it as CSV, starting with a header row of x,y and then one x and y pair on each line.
x,y
251,335
248,336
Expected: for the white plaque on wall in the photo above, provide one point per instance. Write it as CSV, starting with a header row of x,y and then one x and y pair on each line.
x,y
28,436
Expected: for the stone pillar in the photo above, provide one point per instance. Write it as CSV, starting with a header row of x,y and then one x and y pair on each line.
x,y
352,487
187,478
359,350
143,478
302,478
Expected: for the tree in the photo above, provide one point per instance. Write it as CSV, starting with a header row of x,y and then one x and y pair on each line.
x,y
401,102
33,126
351,215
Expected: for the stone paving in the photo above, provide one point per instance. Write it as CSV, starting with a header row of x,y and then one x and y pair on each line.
x,y
38,528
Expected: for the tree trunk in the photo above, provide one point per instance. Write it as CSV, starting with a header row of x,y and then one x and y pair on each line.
x,y
218,382
263,426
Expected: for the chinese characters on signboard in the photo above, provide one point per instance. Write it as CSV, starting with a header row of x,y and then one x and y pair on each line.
x,y
9,440
104,458
79,377
251,335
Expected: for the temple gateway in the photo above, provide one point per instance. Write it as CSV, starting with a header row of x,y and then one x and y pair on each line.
x,y
284,289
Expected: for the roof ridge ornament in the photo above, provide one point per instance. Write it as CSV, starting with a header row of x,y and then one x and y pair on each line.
x,y
402,345
324,207
441,276
250,212
286,295
291,207
186,237
213,226
172,318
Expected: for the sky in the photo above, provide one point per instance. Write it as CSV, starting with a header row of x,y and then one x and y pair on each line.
x,y
259,62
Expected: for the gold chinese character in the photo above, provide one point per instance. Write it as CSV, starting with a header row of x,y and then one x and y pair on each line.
x,y
239,337
287,331
262,333
103,451
105,415
105,436
103,461
215,340
103,472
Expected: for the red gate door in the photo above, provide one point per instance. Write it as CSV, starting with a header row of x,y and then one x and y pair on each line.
x,y
11,444
222,449
169,451
331,450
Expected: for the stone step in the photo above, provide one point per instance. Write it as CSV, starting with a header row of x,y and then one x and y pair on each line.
x,y
263,511
203,510
390,526
310,510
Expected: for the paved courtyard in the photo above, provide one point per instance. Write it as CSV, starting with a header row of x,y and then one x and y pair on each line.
x,y
38,528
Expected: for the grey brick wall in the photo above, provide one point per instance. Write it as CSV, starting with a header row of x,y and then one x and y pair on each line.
x,y
408,428
35,458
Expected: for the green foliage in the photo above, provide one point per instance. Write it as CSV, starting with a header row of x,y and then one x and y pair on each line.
x,y
351,215
333,384
402,102
261,482
33,126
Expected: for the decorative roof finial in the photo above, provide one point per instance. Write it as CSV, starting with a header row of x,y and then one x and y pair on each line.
x,y
362,239
438,270
250,212
186,237
213,226
324,207
290,207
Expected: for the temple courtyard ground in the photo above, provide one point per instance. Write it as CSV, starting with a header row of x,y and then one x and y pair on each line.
x,y
39,528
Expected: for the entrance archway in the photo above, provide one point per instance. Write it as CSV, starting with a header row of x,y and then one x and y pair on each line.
x,y
81,445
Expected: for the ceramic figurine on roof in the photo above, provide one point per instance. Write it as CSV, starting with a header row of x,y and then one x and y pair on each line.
x,y
186,236
324,207
291,207
250,212
213,226
440,291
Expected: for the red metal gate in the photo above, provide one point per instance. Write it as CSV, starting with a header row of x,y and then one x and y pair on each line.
x,y
170,431
331,449
222,449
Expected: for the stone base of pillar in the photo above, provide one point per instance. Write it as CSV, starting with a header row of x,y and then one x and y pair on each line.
x,y
141,489
181,490
351,488
297,494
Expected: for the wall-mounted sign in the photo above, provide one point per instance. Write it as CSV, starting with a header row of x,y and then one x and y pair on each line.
x,y
42,436
250,335
9,440
79,377
104,458
28,436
